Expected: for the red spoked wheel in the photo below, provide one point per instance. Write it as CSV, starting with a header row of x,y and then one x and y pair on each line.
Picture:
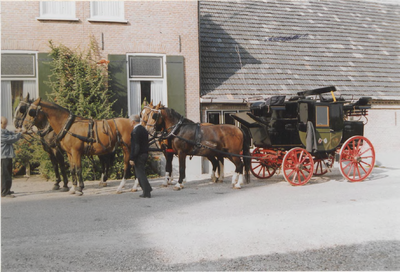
x,y
298,166
357,158
322,166
263,166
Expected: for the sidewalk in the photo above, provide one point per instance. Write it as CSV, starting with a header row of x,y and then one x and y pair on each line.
x,y
36,187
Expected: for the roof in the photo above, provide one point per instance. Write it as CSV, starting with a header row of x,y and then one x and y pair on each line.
x,y
263,48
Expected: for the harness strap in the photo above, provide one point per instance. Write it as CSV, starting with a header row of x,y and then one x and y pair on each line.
x,y
66,127
45,131
119,139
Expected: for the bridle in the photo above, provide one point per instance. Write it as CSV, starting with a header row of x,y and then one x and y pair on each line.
x,y
17,119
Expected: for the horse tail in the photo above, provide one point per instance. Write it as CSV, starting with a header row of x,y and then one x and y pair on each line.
x,y
246,153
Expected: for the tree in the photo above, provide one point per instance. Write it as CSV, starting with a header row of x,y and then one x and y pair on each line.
x,y
80,82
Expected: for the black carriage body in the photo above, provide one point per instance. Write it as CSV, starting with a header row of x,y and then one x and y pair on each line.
x,y
318,125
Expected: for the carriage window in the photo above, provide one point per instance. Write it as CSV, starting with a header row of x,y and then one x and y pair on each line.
x,y
322,114
213,118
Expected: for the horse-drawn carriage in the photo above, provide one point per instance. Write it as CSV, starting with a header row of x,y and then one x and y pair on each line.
x,y
305,134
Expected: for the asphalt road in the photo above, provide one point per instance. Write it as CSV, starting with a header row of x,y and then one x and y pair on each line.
x,y
328,224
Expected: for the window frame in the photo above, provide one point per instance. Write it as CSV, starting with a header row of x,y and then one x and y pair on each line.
x,y
162,69
57,17
325,124
23,77
147,78
109,19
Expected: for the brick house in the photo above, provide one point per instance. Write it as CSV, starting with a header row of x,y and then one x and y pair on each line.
x,y
152,48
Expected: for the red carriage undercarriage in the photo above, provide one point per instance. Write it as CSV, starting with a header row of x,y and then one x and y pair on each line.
x,y
304,135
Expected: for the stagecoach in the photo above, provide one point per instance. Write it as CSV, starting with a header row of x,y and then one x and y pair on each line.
x,y
302,136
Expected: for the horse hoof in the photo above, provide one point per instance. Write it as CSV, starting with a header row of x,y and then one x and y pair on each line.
x,y
72,192
78,193
237,187
164,185
103,184
56,187
134,190
177,188
118,192
64,189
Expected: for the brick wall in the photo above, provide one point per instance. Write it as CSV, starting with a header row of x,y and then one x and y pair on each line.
x,y
164,27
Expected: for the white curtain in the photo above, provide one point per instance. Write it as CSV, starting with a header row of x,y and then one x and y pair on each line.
x,y
156,92
134,97
6,100
29,87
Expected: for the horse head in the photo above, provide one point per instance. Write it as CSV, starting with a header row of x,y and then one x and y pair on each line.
x,y
154,119
144,114
34,116
21,111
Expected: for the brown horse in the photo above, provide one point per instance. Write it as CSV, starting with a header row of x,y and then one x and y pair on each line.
x,y
165,146
53,148
80,136
189,138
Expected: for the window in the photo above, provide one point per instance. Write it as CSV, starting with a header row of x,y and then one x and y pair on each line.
x,y
322,113
57,10
213,117
107,11
146,81
18,65
145,66
18,78
221,117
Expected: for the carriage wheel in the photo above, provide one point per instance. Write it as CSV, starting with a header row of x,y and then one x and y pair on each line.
x,y
297,166
322,166
262,167
357,158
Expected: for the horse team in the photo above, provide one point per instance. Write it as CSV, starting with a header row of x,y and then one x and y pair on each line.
x,y
61,131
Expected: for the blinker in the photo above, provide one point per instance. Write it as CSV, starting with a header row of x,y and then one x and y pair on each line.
x,y
32,112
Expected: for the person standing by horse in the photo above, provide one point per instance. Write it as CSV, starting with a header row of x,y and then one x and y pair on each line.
x,y
139,154
7,154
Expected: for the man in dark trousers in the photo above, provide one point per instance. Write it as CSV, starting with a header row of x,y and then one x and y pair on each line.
x,y
7,154
140,153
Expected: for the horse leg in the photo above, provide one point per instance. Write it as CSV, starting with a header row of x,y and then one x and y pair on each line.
x,y
73,175
214,163
78,173
237,178
61,163
104,167
182,169
221,169
168,169
54,162
126,169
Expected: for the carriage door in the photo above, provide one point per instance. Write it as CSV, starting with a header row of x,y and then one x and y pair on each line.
x,y
328,129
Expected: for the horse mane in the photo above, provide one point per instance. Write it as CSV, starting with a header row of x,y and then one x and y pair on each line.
x,y
174,115
54,106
